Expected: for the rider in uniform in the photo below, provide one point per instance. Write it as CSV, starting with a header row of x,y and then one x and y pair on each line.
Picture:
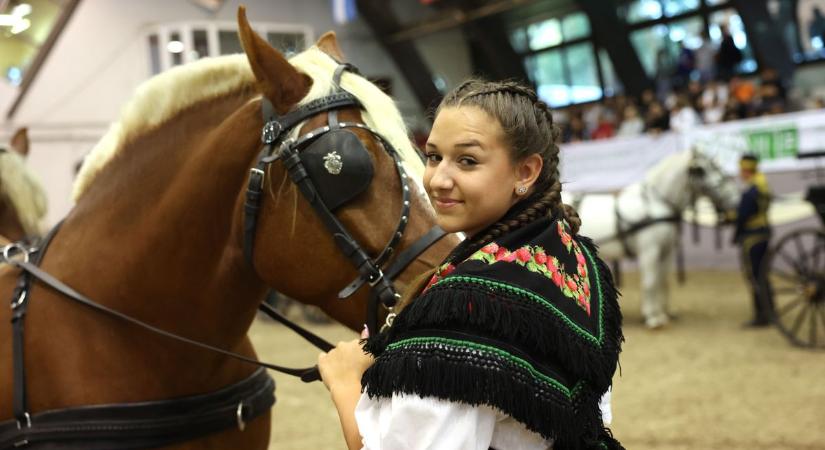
x,y
752,234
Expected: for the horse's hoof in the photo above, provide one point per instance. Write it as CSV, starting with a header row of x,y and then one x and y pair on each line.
x,y
656,324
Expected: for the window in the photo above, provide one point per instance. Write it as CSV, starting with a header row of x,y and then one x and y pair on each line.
x,y
641,11
228,42
612,84
676,7
544,34
288,43
575,26
637,11
566,75
200,42
180,43
653,47
560,59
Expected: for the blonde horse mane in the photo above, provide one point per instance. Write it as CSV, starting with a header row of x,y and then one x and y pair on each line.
x,y
161,97
25,194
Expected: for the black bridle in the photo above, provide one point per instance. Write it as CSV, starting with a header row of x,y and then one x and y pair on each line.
x,y
279,147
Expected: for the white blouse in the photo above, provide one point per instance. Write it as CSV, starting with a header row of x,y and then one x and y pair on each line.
x,y
409,422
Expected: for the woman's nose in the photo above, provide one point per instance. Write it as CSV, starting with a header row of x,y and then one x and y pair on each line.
x,y
442,178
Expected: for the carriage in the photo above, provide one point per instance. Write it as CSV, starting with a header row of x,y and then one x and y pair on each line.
x,y
793,275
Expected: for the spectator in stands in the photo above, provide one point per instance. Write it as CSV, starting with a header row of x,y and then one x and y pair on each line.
x,y
632,124
713,107
606,127
684,117
685,64
742,90
648,97
657,119
705,60
574,131
728,56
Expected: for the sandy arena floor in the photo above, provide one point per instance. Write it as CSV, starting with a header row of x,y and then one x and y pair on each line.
x,y
702,383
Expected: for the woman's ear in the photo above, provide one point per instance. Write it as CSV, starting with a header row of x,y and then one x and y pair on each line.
x,y
528,170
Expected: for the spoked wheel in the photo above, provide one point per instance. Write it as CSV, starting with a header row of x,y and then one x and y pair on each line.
x,y
794,272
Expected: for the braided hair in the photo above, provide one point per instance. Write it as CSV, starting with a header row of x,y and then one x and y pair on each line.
x,y
528,129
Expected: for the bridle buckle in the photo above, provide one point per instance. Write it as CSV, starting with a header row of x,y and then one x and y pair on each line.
x,y
12,253
374,281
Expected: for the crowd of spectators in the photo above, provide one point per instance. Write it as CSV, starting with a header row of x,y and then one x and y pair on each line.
x,y
700,86
698,103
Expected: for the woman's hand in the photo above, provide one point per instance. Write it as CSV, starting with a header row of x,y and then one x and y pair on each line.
x,y
344,365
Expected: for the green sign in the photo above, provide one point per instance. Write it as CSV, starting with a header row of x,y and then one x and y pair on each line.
x,y
773,143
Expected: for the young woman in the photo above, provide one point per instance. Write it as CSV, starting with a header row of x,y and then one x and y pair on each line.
x,y
511,342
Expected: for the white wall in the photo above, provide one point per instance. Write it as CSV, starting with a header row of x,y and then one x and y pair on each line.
x,y
102,56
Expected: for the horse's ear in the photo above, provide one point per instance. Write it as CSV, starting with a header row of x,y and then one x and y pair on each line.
x,y
277,79
20,141
328,44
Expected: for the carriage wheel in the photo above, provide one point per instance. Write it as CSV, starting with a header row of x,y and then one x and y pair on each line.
x,y
795,269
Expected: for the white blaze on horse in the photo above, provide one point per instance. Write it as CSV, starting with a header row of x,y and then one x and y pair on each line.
x,y
642,220
22,197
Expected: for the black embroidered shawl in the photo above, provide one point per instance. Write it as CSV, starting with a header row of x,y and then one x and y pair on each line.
x,y
529,324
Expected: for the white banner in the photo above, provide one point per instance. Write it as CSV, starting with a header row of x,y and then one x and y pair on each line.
x,y
609,165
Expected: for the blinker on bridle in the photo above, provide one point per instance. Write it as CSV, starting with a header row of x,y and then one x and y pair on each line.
x,y
330,166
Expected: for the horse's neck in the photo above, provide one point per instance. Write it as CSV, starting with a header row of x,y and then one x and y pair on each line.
x,y
668,182
166,208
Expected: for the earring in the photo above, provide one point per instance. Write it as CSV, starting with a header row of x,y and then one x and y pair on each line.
x,y
521,190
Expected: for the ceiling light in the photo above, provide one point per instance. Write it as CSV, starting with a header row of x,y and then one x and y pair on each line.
x,y
22,10
175,47
21,26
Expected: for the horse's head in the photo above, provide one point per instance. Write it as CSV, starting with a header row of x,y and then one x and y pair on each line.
x,y
350,160
707,178
22,197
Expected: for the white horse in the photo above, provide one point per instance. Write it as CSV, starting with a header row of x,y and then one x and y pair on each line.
x,y
642,220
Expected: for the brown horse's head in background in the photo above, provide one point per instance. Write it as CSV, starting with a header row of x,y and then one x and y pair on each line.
x,y
158,229
22,197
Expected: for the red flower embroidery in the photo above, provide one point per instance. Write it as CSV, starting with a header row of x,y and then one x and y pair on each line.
x,y
490,248
551,265
557,279
509,257
447,270
540,258
580,257
523,254
501,253
572,285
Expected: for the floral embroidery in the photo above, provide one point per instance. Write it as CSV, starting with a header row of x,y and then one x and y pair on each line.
x,y
442,272
535,259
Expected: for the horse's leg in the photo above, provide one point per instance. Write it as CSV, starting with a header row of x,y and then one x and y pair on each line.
x,y
652,244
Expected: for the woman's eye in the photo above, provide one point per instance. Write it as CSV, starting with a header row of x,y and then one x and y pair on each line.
x,y
432,157
467,161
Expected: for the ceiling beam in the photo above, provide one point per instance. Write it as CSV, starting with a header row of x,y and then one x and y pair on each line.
x,y
453,17
383,23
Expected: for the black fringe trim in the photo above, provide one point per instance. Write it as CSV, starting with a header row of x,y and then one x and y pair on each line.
x,y
451,374
503,315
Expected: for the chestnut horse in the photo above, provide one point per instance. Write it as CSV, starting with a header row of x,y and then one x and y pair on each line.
x,y
158,230
22,197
